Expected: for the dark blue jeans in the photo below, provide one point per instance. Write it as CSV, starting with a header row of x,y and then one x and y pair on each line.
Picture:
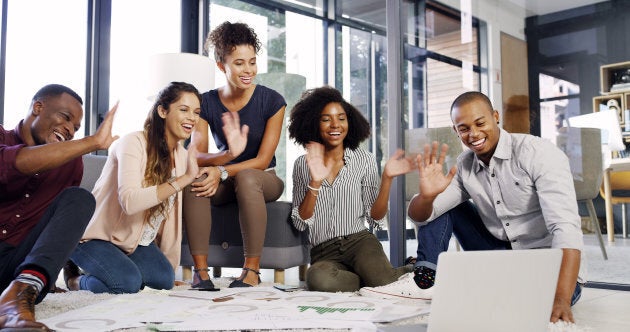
x,y
463,221
109,270
49,244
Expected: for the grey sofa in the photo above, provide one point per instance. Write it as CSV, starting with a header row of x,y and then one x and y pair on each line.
x,y
284,247
92,168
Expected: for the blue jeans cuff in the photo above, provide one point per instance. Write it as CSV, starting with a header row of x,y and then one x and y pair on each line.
x,y
430,265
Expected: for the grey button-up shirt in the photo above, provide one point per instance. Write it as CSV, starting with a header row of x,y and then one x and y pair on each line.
x,y
525,195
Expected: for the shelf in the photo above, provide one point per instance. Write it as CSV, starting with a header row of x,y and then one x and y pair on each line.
x,y
600,102
606,77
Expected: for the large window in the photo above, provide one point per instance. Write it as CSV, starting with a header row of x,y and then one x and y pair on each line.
x,y
441,54
156,29
442,61
43,48
559,101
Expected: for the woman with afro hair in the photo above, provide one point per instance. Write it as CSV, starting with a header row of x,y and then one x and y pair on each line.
x,y
336,190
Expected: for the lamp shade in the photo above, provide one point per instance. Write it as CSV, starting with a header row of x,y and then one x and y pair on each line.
x,y
191,68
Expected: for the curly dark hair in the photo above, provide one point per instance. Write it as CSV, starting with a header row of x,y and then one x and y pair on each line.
x,y
305,117
224,39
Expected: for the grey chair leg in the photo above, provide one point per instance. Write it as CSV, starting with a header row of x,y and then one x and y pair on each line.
x,y
624,220
593,215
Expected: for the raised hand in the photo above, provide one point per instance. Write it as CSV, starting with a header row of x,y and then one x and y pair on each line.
x,y
315,162
431,170
235,135
398,164
103,135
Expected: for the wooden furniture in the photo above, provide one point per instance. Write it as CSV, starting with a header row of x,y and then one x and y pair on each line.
x,y
619,92
616,165
606,77
620,182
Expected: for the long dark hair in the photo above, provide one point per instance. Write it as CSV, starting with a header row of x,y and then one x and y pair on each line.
x,y
159,162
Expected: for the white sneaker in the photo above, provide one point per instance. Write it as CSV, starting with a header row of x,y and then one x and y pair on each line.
x,y
405,287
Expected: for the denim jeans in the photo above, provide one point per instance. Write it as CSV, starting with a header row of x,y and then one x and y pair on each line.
x,y
109,270
463,221
49,244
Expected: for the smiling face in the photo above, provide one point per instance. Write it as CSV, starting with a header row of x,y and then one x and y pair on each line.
x,y
180,117
55,119
476,123
240,67
333,125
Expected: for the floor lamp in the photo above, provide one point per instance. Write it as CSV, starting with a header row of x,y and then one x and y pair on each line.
x,y
191,68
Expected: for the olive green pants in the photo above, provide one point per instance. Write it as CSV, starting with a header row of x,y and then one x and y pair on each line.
x,y
347,263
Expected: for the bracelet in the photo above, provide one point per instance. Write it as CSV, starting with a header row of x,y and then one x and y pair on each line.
x,y
313,193
173,183
312,188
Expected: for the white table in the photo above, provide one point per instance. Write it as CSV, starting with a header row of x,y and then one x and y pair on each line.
x,y
616,165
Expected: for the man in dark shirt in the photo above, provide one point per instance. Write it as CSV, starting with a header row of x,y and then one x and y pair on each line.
x,y
43,212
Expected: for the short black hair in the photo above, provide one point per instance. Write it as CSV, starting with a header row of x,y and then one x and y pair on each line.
x,y
54,90
305,117
224,39
469,96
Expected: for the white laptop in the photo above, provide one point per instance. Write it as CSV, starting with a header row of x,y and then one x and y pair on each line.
x,y
498,290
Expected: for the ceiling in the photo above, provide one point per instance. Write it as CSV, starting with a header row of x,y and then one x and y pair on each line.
x,y
373,11
542,7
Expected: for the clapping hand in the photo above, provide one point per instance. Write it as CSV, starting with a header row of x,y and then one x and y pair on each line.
x,y
431,170
202,183
192,168
235,135
315,162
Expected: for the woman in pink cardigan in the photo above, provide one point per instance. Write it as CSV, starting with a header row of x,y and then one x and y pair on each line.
x,y
134,237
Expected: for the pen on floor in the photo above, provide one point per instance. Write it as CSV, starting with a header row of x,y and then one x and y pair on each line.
x,y
224,298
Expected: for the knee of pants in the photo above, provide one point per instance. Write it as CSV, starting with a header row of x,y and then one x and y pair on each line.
x,y
164,281
326,277
322,277
78,195
248,180
80,198
127,283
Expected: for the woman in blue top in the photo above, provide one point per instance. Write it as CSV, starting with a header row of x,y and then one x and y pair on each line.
x,y
244,167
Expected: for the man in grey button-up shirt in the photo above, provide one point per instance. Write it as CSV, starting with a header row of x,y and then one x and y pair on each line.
x,y
523,195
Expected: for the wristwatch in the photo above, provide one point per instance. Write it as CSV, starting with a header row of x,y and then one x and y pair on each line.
x,y
224,173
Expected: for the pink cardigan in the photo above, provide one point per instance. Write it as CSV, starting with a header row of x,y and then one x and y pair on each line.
x,y
121,200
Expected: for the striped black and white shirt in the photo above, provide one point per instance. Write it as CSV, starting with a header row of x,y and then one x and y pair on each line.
x,y
343,207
